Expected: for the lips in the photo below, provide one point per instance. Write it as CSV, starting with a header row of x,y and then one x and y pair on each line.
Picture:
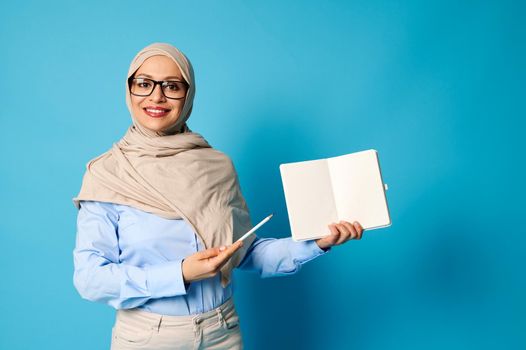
x,y
156,112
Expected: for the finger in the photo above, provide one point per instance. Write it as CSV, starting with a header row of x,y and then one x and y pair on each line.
x,y
359,229
352,230
328,240
345,234
224,255
335,234
208,253
230,250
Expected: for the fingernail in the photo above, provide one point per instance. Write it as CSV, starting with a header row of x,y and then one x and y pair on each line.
x,y
222,248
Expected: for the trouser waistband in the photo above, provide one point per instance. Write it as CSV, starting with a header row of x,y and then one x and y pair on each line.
x,y
156,320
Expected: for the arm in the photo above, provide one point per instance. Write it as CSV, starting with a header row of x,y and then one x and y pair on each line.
x,y
279,257
100,276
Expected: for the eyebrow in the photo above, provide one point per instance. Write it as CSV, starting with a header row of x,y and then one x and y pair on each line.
x,y
149,76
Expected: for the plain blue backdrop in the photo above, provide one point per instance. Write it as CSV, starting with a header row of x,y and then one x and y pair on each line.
x,y
437,87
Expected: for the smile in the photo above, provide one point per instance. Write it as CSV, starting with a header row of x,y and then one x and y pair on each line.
x,y
156,112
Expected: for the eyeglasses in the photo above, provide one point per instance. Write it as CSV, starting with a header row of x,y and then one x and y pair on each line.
x,y
172,89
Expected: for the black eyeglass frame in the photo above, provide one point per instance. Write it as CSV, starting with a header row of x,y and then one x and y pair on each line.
x,y
158,82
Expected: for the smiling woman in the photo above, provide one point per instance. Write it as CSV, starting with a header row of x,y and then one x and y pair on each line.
x,y
158,217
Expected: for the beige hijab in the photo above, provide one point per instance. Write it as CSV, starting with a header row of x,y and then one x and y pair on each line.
x,y
174,174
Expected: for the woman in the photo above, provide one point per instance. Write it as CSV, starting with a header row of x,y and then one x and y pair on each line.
x,y
158,215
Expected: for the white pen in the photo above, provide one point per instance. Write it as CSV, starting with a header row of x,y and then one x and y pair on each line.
x,y
255,228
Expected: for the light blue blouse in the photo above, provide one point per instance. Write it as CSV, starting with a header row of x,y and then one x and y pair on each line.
x,y
129,258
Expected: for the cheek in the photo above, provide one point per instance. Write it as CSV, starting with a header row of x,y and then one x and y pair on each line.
x,y
136,106
179,107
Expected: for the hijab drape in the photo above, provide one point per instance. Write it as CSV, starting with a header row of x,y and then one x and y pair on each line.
x,y
174,174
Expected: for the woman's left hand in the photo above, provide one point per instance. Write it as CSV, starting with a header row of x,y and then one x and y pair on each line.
x,y
340,233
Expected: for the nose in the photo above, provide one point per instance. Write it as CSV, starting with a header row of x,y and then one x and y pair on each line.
x,y
157,94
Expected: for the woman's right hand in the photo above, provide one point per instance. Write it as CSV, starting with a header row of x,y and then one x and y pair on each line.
x,y
207,263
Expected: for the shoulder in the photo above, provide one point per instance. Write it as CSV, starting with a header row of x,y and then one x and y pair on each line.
x,y
223,155
226,160
212,156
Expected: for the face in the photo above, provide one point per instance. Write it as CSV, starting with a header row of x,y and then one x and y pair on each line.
x,y
146,109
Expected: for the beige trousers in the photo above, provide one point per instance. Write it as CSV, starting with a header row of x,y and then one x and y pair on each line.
x,y
216,329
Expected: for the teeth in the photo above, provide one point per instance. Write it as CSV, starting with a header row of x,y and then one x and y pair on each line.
x,y
156,111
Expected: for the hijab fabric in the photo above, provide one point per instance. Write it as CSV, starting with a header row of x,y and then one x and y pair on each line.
x,y
174,174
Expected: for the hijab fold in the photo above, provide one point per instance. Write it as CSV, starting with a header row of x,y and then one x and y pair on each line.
x,y
174,174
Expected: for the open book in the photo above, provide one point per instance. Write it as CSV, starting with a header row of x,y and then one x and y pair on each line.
x,y
320,192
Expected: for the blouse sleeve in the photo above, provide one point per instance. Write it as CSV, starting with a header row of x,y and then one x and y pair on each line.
x,y
271,257
100,276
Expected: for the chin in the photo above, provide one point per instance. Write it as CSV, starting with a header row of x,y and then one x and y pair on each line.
x,y
156,124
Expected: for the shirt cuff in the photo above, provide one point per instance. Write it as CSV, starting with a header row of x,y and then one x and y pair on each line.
x,y
166,279
306,250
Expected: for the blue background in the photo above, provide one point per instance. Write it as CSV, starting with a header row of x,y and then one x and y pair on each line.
x,y
436,87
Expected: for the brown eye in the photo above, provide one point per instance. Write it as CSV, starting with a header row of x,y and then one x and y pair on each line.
x,y
172,86
143,84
